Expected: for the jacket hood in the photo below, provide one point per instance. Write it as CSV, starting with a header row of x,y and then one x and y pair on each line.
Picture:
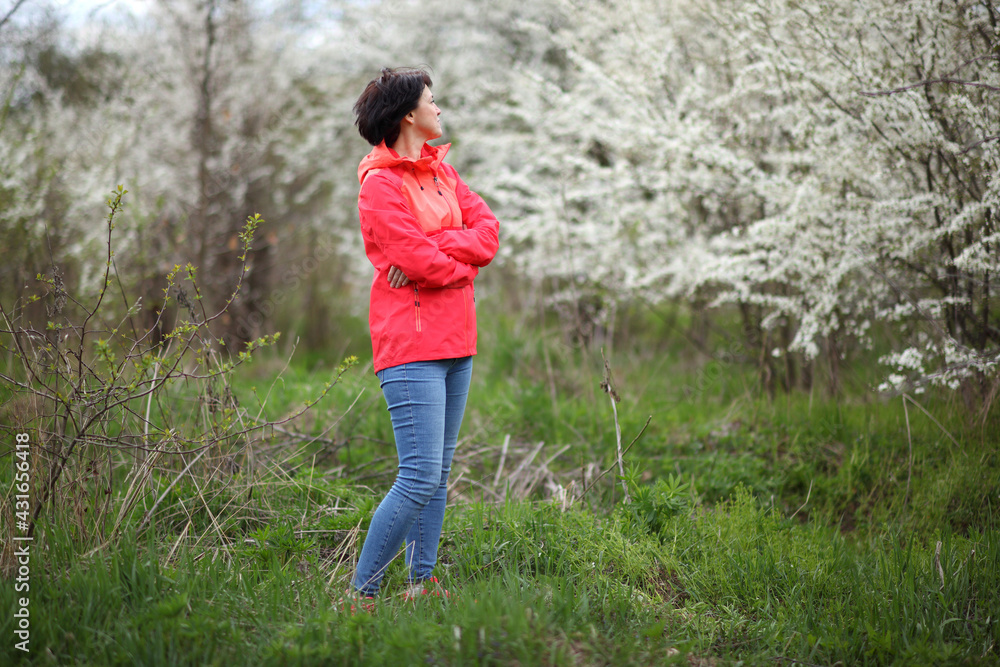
x,y
382,156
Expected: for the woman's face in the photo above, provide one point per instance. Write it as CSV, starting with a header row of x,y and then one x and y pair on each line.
x,y
425,116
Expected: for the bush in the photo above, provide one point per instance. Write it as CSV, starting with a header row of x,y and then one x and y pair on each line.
x,y
93,393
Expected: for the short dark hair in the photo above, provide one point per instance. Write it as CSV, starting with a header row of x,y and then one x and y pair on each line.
x,y
386,101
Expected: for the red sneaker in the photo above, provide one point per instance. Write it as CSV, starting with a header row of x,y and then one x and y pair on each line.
x,y
353,600
425,587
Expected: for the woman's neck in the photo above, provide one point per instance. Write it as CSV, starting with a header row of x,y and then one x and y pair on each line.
x,y
408,145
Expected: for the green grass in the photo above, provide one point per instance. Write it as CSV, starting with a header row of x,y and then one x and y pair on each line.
x,y
796,530
537,585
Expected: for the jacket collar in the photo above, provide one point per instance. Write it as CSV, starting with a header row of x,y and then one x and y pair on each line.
x,y
382,156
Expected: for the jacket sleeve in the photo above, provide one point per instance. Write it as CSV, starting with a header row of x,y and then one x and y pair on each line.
x,y
386,216
477,243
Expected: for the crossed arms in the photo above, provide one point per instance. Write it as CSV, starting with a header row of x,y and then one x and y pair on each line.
x,y
449,258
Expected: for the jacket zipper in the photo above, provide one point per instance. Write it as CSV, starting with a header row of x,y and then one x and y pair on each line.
x,y
416,306
437,183
465,302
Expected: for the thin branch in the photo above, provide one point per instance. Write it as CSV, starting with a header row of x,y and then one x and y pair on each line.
x,y
937,563
115,204
923,84
6,18
969,62
909,440
608,386
481,486
586,489
149,513
979,143
503,457
808,493
931,417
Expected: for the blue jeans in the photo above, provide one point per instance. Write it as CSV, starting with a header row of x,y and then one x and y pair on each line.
x,y
426,401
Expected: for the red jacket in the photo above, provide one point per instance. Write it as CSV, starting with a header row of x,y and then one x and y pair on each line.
x,y
420,217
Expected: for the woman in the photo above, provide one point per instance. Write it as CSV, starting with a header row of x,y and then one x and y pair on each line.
x,y
427,234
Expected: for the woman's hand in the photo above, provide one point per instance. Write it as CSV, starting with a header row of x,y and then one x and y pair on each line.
x,y
397,278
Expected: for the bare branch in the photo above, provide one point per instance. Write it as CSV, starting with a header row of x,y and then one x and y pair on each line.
x,y
13,9
923,84
969,62
979,143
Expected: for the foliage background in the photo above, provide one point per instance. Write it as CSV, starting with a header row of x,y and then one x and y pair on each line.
x,y
826,170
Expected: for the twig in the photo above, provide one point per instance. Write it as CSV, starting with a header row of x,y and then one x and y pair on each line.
x,y
808,493
211,515
554,456
621,456
472,482
639,435
609,388
279,376
586,488
937,563
979,143
931,417
909,467
342,551
292,435
458,479
972,555
311,439
178,542
527,461
141,474
149,405
988,56
172,484
503,457
921,84
11,12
